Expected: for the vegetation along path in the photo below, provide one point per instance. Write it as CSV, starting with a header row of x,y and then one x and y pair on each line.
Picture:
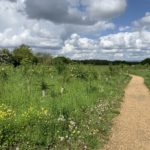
x,y
131,129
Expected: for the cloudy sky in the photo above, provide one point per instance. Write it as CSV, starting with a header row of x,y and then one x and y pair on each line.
x,y
79,29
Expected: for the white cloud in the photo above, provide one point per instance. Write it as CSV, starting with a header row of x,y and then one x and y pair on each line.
x,y
94,30
73,28
16,28
143,23
100,9
134,44
20,29
113,46
85,12
124,28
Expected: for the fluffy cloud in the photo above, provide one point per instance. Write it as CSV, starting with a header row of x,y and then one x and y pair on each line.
x,y
124,28
74,12
93,30
73,28
143,23
138,40
10,0
19,29
123,45
134,44
100,9
35,37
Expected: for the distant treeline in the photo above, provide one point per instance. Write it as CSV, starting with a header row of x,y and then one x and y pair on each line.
x,y
24,55
106,62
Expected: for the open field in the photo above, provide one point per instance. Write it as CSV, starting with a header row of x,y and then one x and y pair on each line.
x,y
45,107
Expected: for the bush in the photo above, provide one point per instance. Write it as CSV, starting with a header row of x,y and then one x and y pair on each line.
x,y
5,56
23,54
79,72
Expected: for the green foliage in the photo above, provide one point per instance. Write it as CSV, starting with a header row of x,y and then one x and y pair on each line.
x,y
23,55
3,74
60,67
141,70
43,85
45,59
146,61
61,59
5,56
80,72
76,119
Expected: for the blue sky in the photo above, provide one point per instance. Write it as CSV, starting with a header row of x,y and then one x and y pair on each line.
x,y
79,29
135,9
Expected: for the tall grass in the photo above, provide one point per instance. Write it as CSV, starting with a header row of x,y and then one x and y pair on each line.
x,y
54,108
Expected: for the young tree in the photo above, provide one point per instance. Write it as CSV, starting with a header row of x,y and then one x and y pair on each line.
x,y
23,54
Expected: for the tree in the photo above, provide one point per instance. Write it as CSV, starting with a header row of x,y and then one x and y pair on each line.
x,y
61,59
5,56
146,61
23,54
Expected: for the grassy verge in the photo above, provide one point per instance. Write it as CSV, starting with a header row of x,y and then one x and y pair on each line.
x,y
58,107
142,70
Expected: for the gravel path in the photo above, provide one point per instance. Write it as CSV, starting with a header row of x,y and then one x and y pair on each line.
x,y
131,130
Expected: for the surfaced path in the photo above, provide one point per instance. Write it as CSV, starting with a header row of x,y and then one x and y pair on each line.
x,y
131,130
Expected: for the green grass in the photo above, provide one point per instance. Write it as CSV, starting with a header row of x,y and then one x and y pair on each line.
x,y
142,70
47,106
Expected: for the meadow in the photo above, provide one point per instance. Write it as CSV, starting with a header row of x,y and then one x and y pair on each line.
x,y
141,70
58,106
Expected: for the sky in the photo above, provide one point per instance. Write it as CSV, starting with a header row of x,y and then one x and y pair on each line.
x,y
78,29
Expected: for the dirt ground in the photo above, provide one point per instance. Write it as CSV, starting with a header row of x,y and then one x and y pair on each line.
x,y
131,130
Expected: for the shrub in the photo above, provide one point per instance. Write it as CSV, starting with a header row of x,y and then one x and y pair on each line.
x,y
5,56
23,54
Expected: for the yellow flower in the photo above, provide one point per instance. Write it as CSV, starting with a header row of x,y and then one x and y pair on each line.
x,y
2,114
6,112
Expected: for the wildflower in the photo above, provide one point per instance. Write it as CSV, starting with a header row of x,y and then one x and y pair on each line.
x,y
72,123
85,147
45,112
17,148
61,138
74,131
61,118
2,114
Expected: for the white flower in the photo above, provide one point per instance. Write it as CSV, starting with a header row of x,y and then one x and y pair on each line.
x,y
61,138
61,118
72,123
17,148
